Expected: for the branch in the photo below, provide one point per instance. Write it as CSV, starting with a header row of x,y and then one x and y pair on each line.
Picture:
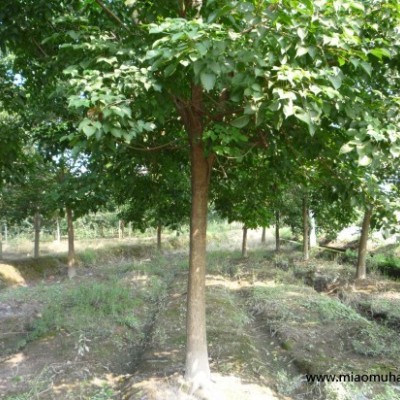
x,y
39,47
111,14
162,146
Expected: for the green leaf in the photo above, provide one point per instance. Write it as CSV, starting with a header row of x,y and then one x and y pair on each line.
x,y
364,161
380,52
169,70
208,80
240,122
87,127
336,81
366,67
346,148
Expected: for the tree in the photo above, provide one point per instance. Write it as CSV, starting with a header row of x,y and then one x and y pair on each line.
x,y
221,64
241,193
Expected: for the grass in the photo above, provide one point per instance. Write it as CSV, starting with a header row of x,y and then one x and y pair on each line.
x,y
80,307
123,298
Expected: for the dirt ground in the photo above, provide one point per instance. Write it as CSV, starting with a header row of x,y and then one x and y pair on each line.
x,y
267,327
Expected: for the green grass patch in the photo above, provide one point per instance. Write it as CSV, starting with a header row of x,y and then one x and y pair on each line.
x,y
87,306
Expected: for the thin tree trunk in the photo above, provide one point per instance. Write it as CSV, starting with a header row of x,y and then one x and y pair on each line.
x,y
58,231
5,232
306,250
121,229
362,247
36,224
244,242
1,245
263,235
159,231
313,231
71,244
197,366
277,233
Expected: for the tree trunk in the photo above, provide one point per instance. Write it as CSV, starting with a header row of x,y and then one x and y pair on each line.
x,y
197,366
277,235
362,247
263,235
5,233
244,242
71,244
101,229
36,224
159,230
121,229
306,251
1,246
313,231
58,231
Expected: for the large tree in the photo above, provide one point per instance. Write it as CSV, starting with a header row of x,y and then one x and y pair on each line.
x,y
209,65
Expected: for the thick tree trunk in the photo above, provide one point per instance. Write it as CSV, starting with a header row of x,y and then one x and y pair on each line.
x,y
36,224
306,250
121,229
277,228
71,244
313,230
159,231
263,234
197,366
362,247
244,242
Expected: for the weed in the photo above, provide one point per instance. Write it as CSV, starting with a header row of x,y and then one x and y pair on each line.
x,y
80,308
88,256
285,384
330,310
105,393
372,340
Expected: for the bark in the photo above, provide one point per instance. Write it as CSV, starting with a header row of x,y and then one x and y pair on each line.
x,y
197,366
71,244
362,248
277,233
306,250
244,242
121,229
101,229
58,232
159,230
36,224
263,235
313,232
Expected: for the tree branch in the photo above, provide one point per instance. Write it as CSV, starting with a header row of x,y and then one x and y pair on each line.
x,y
39,47
111,14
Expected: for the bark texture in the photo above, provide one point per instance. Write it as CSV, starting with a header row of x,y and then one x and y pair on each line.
x,y
58,231
121,229
263,235
306,249
197,365
36,224
159,231
244,242
313,230
277,233
71,244
361,272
